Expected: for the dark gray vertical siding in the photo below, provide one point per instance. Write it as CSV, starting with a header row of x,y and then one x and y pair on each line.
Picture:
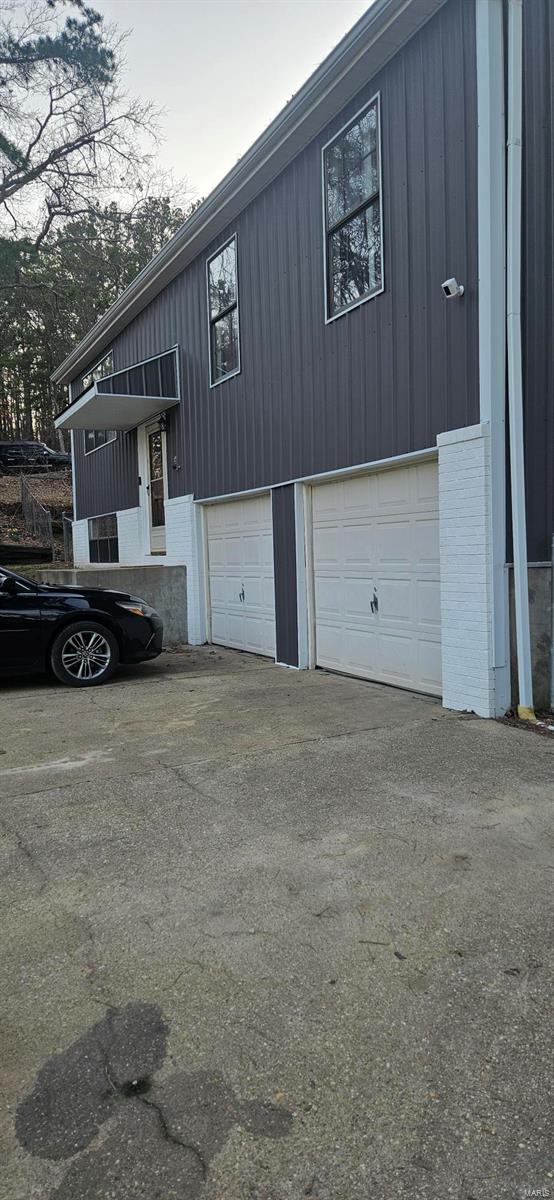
x,y
385,378
284,557
538,274
107,479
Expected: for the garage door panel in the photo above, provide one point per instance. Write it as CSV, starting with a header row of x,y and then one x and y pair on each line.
x,y
242,590
343,648
425,534
396,657
394,491
395,600
379,532
429,665
326,544
393,545
357,594
352,543
359,495
426,480
328,596
427,598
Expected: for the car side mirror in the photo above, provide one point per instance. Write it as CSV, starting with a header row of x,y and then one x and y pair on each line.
x,y
8,586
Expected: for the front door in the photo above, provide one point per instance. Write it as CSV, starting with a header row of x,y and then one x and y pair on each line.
x,y
156,487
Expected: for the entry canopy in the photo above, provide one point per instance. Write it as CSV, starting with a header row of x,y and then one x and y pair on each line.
x,y
112,410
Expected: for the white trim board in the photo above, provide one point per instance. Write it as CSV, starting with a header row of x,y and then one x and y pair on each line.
x,y
491,224
379,464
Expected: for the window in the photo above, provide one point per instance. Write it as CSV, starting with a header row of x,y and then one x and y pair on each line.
x,y
98,437
102,539
352,202
157,376
104,367
223,313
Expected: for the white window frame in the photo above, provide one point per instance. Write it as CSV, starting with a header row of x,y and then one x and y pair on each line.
x,y
238,368
329,317
98,517
91,375
108,441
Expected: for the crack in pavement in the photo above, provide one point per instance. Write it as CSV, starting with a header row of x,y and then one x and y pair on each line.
x,y
172,1137
223,757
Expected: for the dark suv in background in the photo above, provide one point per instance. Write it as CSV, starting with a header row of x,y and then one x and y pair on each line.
x,y
23,456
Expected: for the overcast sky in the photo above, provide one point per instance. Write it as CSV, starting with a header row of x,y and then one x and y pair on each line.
x,y
222,69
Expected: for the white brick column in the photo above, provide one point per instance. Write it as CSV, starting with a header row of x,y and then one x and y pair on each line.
x,y
81,556
129,537
185,544
466,570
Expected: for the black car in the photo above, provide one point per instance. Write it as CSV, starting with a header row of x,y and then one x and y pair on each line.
x,y
79,633
14,455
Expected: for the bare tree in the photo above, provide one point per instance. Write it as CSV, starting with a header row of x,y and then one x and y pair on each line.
x,y
70,138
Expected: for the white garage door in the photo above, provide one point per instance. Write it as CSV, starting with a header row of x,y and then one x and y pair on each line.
x,y
242,591
376,572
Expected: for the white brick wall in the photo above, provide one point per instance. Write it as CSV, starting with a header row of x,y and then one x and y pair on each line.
x,y
466,570
129,536
80,543
184,544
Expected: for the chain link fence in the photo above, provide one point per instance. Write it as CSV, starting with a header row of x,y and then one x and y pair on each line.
x,y
37,518
67,530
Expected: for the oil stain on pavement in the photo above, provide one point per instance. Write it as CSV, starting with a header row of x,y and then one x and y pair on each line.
x,y
98,1104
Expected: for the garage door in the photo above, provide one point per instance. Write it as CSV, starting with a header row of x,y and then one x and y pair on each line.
x,y
376,574
242,592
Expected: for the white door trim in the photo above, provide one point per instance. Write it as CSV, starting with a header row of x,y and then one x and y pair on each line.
x,y
301,502
205,567
144,495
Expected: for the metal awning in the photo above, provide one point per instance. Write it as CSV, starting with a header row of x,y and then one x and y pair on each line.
x,y
112,410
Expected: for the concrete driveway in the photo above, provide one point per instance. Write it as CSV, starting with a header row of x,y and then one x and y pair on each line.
x,y
270,935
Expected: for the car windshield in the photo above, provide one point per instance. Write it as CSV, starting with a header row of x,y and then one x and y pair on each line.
x,y
27,584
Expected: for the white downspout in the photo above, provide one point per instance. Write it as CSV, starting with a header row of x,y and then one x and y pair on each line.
x,y
515,379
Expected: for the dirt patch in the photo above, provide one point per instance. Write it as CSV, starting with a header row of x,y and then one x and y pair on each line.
x,y
52,490
543,725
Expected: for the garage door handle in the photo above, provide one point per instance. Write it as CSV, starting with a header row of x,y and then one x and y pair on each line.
x,y
374,604
241,595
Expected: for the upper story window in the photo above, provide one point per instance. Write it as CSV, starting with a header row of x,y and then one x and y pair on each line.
x,y
352,206
94,438
104,367
223,313
98,437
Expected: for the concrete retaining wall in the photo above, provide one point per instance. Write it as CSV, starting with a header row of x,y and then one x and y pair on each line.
x,y
165,588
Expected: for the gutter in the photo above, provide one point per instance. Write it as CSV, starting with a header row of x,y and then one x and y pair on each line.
x,y
525,707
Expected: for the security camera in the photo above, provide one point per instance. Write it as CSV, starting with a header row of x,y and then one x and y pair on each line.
x,y
452,288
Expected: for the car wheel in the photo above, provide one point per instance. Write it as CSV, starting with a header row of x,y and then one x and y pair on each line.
x,y
84,654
